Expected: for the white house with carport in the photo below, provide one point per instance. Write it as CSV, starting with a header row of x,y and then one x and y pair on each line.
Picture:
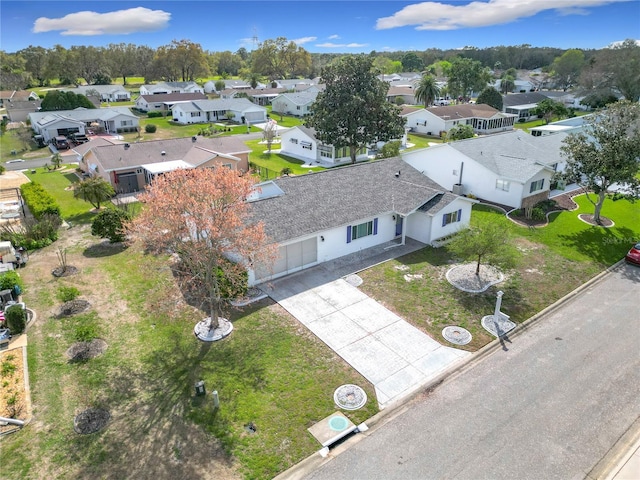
x,y
65,122
300,142
204,111
512,168
322,216
170,87
106,93
298,104
433,121
163,102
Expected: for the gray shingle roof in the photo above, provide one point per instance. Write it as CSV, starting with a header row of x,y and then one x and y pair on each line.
x,y
220,104
516,99
342,196
84,114
464,110
173,97
515,155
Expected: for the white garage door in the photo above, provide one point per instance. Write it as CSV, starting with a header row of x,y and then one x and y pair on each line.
x,y
254,117
296,256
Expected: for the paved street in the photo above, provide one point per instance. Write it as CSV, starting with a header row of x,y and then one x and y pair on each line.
x,y
550,405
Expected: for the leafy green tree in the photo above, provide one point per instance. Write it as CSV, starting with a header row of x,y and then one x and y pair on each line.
x,y
460,132
486,241
467,75
598,100
280,58
548,109
122,59
36,63
567,68
389,149
94,190
490,96
109,223
219,85
56,160
253,78
58,100
427,90
411,62
507,82
606,152
353,110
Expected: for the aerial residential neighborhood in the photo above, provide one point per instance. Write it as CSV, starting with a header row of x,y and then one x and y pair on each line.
x,y
401,245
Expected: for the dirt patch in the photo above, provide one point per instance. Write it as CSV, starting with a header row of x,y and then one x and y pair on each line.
x,y
65,271
83,351
91,420
73,307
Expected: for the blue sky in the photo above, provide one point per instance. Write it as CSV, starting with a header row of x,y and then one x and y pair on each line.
x,y
350,26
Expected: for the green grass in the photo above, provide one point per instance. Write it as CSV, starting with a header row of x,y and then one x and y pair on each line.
x,y
59,185
9,142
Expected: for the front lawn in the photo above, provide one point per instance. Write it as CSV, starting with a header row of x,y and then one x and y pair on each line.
x,y
554,260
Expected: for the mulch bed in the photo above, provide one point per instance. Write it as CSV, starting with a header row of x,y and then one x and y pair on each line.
x,y
83,351
589,218
91,420
73,307
65,272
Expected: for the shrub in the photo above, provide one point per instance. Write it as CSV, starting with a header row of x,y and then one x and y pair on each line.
x,y
85,332
109,224
155,114
8,280
537,214
2,169
66,294
286,171
16,319
150,128
39,201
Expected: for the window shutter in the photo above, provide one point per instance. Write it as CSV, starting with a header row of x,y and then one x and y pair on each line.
x,y
460,215
375,226
349,234
541,184
444,219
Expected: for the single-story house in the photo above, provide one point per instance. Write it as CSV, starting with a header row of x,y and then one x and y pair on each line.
x,y
19,110
210,86
171,87
129,167
8,96
567,125
204,111
522,104
261,97
294,84
510,168
163,102
106,93
484,119
408,95
300,142
322,216
64,122
298,104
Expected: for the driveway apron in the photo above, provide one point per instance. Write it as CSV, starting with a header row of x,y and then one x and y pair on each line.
x,y
392,354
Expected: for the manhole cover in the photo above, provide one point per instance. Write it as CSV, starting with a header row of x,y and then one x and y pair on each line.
x,y
350,397
456,335
338,423
353,280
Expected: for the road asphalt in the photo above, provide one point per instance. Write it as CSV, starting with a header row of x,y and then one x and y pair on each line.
x,y
559,399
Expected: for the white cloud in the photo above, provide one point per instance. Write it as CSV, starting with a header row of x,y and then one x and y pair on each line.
x,y
122,22
441,16
303,40
333,37
341,45
620,42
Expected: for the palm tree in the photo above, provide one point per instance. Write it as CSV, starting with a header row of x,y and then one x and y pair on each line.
x,y
506,84
56,160
427,90
253,78
94,190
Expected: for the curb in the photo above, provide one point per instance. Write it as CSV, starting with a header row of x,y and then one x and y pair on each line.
x,y
301,469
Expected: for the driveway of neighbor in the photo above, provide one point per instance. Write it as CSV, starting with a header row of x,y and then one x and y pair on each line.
x,y
392,354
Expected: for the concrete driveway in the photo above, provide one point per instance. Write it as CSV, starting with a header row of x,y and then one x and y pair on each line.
x,y
393,355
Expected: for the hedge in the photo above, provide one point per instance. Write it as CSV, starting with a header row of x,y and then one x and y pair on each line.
x,y
39,201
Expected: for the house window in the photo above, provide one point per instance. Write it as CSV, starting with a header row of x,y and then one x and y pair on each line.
x,y
452,217
362,230
227,165
326,151
306,145
537,185
502,185
126,123
294,141
195,114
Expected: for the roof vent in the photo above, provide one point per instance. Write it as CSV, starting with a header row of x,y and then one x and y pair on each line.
x,y
163,152
194,138
397,173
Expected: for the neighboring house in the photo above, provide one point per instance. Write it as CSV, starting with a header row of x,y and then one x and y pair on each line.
x,y
568,99
8,96
262,97
511,168
522,104
408,95
519,86
300,142
171,87
210,86
65,122
295,84
106,93
164,101
297,104
433,121
322,216
129,167
567,125
239,110
19,110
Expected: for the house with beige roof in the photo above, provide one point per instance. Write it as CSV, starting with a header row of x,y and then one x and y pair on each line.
x,y
434,121
240,110
129,167
163,102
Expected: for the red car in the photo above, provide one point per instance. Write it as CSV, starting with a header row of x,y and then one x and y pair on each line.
x,y
633,256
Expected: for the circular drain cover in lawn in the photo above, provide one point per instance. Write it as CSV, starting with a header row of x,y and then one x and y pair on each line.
x,y
456,335
338,423
91,420
350,397
353,280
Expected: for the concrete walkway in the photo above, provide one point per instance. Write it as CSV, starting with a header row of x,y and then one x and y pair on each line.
x,y
393,355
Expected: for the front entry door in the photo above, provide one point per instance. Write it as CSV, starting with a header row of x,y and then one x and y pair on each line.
x,y
399,220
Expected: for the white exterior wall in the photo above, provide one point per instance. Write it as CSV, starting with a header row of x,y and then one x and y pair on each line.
x,y
51,131
296,150
434,125
544,174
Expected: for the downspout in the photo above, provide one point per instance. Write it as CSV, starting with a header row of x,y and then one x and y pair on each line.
x,y
460,177
403,230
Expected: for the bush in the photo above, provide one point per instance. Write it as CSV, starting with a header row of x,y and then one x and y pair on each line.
x,y
66,294
85,332
8,280
538,214
109,224
39,201
154,114
16,319
150,128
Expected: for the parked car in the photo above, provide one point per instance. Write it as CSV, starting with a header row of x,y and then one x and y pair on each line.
x,y
15,160
633,255
61,142
78,138
5,334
